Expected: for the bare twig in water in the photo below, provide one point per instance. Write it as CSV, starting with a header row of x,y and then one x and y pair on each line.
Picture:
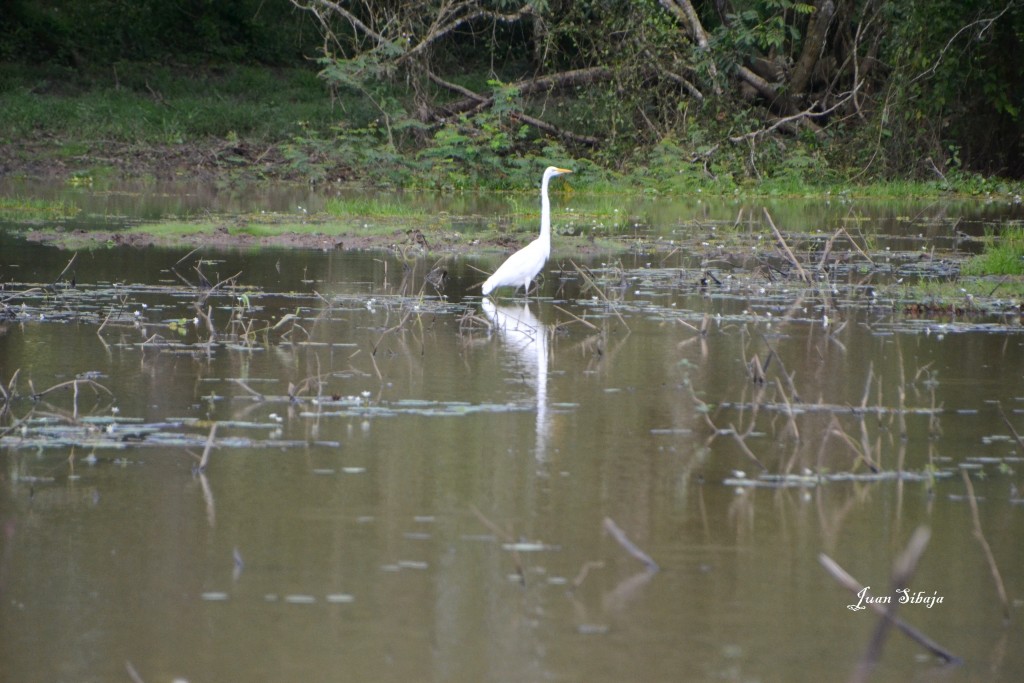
x,y
205,460
704,409
902,571
576,317
205,316
96,386
255,394
851,584
836,429
746,450
589,282
856,246
785,247
186,257
507,537
1006,421
66,268
756,371
619,535
989,557
867,386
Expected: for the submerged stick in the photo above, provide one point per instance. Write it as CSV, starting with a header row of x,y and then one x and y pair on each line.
x,y
619,535
986,549
902,571
851,584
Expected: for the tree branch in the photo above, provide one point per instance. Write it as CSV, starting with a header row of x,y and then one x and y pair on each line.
x,y
436,32
987,23
684,12
564,79
352,19
480,102
808,113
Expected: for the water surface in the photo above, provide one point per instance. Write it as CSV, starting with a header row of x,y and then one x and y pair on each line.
x,y
407,484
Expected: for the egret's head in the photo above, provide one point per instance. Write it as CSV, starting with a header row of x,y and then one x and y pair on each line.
x,y
551,171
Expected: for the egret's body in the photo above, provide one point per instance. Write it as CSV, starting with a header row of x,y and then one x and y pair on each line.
x,y
522,267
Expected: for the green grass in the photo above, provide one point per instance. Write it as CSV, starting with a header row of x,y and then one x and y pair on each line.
x,y
142,103
19,209
1003,255
375,207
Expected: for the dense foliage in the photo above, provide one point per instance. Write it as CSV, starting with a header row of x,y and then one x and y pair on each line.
x,y
734,91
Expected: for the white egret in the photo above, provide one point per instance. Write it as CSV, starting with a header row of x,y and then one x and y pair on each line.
x,y
520,268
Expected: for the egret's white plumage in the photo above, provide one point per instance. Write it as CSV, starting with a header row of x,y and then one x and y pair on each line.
x,y
521,267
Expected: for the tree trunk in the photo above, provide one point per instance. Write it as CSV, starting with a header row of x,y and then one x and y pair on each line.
x,y
814,47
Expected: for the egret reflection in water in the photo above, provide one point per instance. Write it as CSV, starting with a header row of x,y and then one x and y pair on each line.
x,y
526,340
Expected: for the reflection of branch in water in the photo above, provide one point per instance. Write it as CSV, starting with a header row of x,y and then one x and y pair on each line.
x,y
211,508
626,590
584,572
990,559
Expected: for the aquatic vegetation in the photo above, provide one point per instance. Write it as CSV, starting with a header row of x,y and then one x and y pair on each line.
x,y
1003,254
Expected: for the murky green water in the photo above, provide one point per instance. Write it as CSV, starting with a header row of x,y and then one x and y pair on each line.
x,y
431,503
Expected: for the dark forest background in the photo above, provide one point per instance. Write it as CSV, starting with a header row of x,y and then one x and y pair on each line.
x,y
849,88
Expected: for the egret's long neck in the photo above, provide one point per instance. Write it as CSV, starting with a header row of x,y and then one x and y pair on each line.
x,y
545,212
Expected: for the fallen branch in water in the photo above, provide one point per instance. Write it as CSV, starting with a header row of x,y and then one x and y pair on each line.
x,y
851,584
902,571
619,535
